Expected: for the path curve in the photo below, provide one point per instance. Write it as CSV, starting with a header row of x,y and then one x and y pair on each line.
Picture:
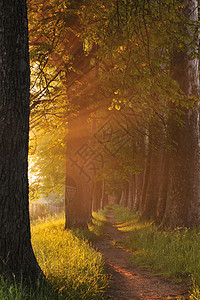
x,y
130,282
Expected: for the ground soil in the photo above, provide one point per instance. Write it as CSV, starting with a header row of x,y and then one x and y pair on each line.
x,y
128,281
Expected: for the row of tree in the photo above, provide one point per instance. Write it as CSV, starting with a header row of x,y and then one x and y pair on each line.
x,y
118,83
141,61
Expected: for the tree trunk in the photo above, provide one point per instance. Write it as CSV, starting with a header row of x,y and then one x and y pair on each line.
x,y
16,254
78,203
96,195
124,196
146,176
103,195
130,191
151,199
164,181
78,198
183,199
138,191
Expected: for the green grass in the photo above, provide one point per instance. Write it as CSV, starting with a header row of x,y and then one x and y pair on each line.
x,y
96,226
68,261
72,267
10,290
123,214
171,253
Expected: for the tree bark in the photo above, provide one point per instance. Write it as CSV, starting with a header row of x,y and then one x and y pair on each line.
x,y
138,191
78,209
130,191
151,199
96,195
183,199
164,181
146,175
124,196
16,254
103,194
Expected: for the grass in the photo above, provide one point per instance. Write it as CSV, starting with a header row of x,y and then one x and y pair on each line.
x,y
96,226
10,290
171,253
72,267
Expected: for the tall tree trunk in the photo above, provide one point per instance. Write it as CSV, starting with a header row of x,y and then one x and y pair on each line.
x,y
152,173
16,254
146,176
78,205
130,191
151,199
183,199
124,196
96,195
164,181
140,146
103,193
138,191
78,198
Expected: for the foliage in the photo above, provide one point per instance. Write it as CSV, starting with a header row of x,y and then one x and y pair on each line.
x,y
135,45
69,263
52,26
47,163
50,56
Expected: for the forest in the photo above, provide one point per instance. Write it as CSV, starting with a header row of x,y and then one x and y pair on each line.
x,y
114,107
100,109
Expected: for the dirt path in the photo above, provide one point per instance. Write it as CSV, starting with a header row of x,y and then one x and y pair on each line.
x,y
130,282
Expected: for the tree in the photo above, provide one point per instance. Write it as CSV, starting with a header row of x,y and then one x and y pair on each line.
x,y
58,68
183,196
16,254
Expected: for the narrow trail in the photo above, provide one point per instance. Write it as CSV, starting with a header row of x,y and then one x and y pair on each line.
x,y
131,282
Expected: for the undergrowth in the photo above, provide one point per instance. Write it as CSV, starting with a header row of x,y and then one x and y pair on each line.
x,y
171,253
68,261
12,290
96,226
72,267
